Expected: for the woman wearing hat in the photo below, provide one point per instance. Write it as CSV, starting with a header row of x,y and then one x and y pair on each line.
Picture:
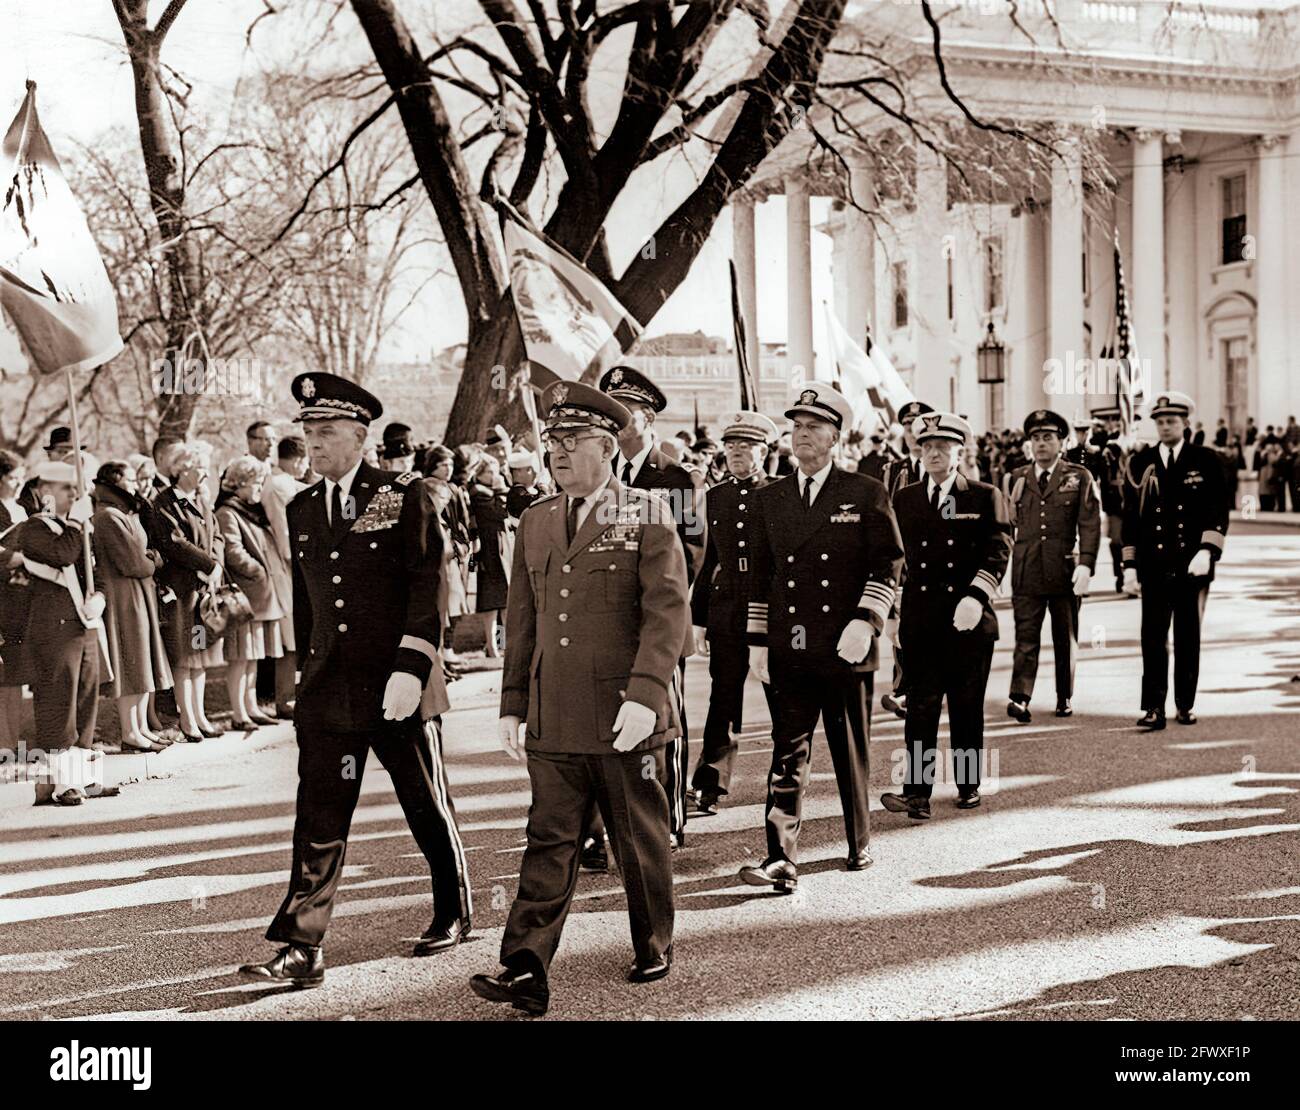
x,y
487,494
126,565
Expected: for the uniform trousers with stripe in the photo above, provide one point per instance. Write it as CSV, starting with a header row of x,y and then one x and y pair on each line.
x,y
728,670
627,789
1179,599
1030,610
330,766
957,669
843,702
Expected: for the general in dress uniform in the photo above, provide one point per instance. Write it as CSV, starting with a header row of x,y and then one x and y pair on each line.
x,y
641,465
719,600
1054,509
897,474
826,559
597,613
957,537
366,566
62,634
1175,521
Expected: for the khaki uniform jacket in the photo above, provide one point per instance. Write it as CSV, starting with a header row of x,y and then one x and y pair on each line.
x,y
1046,526
592,623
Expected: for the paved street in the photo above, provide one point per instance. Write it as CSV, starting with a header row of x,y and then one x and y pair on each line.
x,y
1109,873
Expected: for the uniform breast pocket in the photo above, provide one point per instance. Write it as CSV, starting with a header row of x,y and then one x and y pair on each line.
x,y
614,581
537,579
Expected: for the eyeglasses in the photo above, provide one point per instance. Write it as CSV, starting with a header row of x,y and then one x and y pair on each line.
x,y
568,442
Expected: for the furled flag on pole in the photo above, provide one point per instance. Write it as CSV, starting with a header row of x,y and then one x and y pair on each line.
x,y
570,322
748,393
52,281
858,378
893,389
1127,392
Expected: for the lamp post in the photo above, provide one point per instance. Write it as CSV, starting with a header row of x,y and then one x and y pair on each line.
x,y
990,359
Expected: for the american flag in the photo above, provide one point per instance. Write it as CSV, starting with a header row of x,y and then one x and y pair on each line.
x,y
1125,346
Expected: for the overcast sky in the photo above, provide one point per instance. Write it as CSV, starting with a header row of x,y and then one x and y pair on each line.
x,y
72,48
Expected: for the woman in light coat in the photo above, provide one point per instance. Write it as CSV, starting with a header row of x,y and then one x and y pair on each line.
x,y
247,535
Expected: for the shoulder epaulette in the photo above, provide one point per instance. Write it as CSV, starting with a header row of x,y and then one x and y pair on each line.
x,y
406,477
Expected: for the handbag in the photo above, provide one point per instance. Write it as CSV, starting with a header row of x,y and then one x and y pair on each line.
x,y
222,606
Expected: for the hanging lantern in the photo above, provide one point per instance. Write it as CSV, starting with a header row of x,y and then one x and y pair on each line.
x,y
990,360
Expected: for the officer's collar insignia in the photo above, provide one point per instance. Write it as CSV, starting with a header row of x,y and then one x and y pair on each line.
x,y
308,388
560,394
808,396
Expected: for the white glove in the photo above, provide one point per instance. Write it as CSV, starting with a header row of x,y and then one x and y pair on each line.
x,y
855,641
82,509
508,733
1082,580
758,664
632,725
94,606
701,640
1199,567
967,615
401,696
891,631
1131,584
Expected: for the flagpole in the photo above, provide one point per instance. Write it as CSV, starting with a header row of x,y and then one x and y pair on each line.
x,y
81,476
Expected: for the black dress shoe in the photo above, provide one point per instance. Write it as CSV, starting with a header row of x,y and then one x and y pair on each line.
x,y
212,733
1019,710
859,861
706,803
299,964
1064,709
595,856
968,801
1186,717
654,969
524,990
438,938
261,719
194,737
1152,720
916,808
895,704
780,874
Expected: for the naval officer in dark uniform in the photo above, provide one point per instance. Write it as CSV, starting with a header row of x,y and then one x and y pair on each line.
x,y
957,536
1054,506
719,600
596,617
366,566
826,560
1175,522
897,474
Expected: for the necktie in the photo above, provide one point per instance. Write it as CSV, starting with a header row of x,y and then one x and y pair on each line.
x,y
934,497
572,521
627,473
807,494
336,508
1042,481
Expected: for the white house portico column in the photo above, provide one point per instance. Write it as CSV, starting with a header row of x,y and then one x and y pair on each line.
x,y
1065,310
798,246
932,380
742,247
1270,398
859,249
1149,256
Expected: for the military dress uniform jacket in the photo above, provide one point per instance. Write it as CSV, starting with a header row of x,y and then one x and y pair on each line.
x,y
1171,514
816,571
1046,525
595,622
902,472
719,601
957,552
658,472
365,598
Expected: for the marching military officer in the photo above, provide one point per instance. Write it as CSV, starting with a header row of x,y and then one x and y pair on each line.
x,y
597,614
957,537
62,634
1175,521
718,603
826,559
897,474
641,465
366,566
1082,452
1114,461
1053,505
